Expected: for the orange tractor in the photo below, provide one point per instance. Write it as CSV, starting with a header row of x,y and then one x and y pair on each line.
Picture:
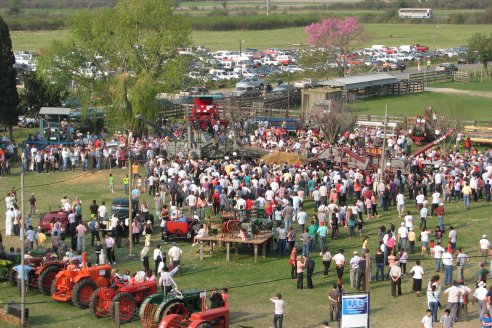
x,y
103,300
77,285
213,318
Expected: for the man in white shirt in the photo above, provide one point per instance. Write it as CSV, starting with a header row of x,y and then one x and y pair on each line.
x,y
436,199
278,315
354,268
427,320
158,258
400,203
191,201
175,255
339,260
438,252
453,294
102,211
403,236
420,200
408,220
447,262
481,294
484,248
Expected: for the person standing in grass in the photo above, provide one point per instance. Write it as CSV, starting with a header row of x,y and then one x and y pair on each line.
x,y
418,274
427,319
111,182
301,263
278,315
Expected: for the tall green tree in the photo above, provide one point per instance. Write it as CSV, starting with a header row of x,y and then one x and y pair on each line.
x,y
38,93
480,47
9,99
122,57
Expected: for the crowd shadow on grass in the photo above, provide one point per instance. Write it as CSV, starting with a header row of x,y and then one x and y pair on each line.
x,y
239,316
50,320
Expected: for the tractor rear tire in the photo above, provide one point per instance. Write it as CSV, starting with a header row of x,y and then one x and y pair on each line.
x,y
128,306
54,289
81,293
94,305
46,278
204,325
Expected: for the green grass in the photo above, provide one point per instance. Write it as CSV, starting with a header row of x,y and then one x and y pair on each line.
x,y
474,85
391,34
476,108
249,304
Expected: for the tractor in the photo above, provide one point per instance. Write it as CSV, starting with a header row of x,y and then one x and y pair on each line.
x,y
103,300
77,285
42,275
160,305
213,318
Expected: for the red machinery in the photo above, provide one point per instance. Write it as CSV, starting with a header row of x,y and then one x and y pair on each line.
x,y
43,273
103,300
48,220
213,318
78,285
432,144
180,229
205,111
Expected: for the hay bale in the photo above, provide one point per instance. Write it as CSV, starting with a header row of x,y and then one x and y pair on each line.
x,y
281,157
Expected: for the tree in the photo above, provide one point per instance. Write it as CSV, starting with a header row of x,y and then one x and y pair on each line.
x,y
38,93
122,57
9,99
480,47
336,37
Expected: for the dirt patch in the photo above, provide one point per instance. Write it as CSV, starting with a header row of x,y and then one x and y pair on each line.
x,y
486,94
281,157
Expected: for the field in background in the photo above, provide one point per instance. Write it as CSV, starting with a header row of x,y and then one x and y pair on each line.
x,y
440,36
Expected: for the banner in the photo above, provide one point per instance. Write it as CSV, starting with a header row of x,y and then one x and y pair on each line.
x,y
355,310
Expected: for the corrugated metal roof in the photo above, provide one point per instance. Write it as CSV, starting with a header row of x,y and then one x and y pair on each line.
x,y
360,81
55,111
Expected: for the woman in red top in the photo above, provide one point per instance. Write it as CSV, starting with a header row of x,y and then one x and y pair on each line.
x,y
216,202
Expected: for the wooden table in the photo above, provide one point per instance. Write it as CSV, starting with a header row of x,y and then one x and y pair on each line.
x,y
259,240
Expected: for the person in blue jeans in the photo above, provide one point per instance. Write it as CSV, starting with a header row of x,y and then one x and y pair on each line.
x,y
27,269
379,264
282,239
433,300
447,262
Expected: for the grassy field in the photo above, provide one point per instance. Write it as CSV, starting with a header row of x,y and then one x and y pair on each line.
x,y
250,284
441,36
477,108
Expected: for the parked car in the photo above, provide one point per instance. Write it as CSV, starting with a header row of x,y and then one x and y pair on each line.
x,y
447,67
306,83
466,60
28,122
254,82
284,88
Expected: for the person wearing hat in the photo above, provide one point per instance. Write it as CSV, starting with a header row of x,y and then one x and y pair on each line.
x,y
354,269
481,295
484,245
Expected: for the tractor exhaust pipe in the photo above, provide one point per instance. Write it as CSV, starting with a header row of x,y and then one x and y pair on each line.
x,y
84,260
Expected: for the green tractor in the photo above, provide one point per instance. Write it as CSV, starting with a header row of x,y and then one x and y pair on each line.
x,y
157,306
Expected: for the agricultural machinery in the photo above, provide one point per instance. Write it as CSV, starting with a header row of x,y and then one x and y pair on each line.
x,y
42,275
180,229
48,220
160,305
103,300
77,285
213,318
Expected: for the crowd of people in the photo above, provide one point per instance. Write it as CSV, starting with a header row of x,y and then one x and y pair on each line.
x,y
344,199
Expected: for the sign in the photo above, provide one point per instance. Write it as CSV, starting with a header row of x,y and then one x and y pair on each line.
x,y
355,310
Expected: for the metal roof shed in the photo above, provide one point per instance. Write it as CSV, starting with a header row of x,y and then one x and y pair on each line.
x,y
55,111
360,81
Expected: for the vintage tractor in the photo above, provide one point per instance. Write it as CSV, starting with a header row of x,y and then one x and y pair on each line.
x,y
78,285
213,318
177,229
157,306
103,300
42,275
205,112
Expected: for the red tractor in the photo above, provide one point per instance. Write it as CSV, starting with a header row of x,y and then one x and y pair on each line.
x,y
103,300
42,275
48,220
205,112
77,285
213,318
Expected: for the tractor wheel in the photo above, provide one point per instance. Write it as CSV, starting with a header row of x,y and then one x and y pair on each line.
x,y
173,307
54,289
13,277
96,305
46,278
81,293
205,325
127,307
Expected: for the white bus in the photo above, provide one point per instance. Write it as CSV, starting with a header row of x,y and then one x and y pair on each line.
x,y
415,13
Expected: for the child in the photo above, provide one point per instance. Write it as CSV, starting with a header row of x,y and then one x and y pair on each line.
x,y
447,319
360,225
432,245
111,182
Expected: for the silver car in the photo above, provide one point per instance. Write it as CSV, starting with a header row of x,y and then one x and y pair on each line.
x,y
253,82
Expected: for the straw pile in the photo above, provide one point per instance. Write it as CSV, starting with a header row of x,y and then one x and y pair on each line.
x,y
281,157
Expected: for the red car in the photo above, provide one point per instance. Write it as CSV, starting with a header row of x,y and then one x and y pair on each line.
x,y
48,220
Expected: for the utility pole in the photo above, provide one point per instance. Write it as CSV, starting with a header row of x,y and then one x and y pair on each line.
x,y
241,58
268,7
130,184
23,251
383,164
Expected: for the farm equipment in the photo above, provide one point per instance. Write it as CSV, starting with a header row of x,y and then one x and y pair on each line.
x,y
48,220
78,285
180,229
42,275
213,318
160,305
205,112
103,300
